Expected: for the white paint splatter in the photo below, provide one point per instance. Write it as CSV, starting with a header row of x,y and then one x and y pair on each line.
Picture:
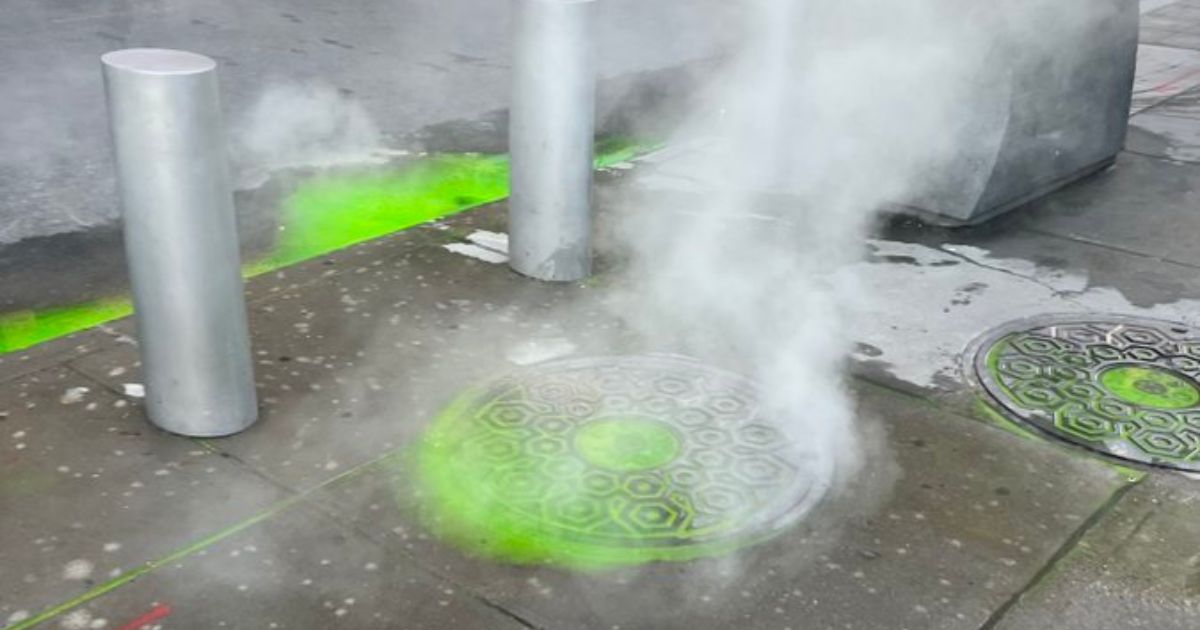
x,y
495,241
78,569
18,617
112,546
74,395
134,390
117,371
477,252
77,620
539,350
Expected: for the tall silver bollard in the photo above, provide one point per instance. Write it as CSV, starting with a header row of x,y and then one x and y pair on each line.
x,y
551,129
181,240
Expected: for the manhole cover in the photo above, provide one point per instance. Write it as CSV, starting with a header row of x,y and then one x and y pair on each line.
x,y
1121,386
613,461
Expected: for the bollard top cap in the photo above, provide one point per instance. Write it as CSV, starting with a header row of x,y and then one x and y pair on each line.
x,y
158,61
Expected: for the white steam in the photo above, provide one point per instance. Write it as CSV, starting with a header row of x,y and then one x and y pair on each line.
x,y
310,125
831,111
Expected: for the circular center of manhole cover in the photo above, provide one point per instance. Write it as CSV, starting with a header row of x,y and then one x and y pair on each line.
x,y
627,444
1121,386
1150,387
614,461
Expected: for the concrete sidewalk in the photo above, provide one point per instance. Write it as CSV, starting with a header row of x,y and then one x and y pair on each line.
x,y
309,519
310,510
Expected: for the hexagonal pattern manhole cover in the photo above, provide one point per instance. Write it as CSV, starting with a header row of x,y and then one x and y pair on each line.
x,y
1121,386
614,461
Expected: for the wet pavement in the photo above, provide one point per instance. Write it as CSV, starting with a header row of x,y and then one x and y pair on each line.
x,y
310,519
948,522
400,67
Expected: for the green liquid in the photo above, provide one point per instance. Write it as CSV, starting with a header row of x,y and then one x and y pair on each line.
x,y
326,214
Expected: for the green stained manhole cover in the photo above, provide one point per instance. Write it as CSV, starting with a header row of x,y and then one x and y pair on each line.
x,y
1121,386
614,461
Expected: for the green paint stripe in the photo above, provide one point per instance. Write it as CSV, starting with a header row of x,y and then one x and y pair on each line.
x,y
153,565
199,545
326,214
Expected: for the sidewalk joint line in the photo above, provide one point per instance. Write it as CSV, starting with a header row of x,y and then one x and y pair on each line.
x,y
1063,551
183,552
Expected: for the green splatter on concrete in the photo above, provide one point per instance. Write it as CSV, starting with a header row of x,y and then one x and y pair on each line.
x,y
496,499
332,212
23,329
990,415
997,419
326,214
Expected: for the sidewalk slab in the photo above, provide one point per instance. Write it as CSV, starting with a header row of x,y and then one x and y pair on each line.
x,y
949,520
970,281
1139,567
926,293
89,490
1142,205
1162,73
1170,130
297,570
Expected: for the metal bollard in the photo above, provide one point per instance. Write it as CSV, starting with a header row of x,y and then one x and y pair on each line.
x,y
551,130
181,240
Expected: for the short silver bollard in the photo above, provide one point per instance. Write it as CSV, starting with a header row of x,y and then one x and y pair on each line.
x,y
181,240
551,129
